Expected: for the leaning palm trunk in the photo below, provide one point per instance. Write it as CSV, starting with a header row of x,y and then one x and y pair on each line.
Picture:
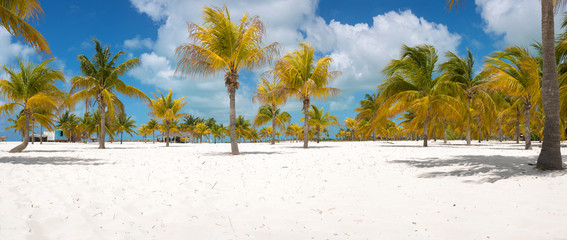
x,y
24,144
527,129
306,123
550,155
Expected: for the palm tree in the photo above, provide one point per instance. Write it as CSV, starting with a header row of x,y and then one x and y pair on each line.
x,y
411,85
124,123
13,16
243,127
69,123
320,121
550,155
87,126
294,130
278,118
152,126
18,123
167,109
223,45
458,71
516,72
101,82
200,130
218,131
32,88
306,78
368,110
267,93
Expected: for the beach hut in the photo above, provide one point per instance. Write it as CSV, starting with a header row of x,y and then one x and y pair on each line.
x,y
3,138
55,136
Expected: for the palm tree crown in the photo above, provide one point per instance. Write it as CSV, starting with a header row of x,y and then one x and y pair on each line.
x,y
167,109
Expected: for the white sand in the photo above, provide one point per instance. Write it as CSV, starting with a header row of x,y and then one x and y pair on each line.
x,y
361,190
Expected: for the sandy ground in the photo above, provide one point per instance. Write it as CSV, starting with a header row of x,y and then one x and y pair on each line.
x,y
347,190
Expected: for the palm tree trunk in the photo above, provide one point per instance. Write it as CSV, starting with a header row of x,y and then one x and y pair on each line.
x,y
425,127
102,126
479,131
24,144
273,141
500,138
550,155
33,132
374,135
233,138
517,125
40,134
306,123
318,134
527,129
167,134
121,133
468,122
444,131
154,137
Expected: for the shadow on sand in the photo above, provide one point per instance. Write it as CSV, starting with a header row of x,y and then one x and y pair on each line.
x,y
490,169
51,161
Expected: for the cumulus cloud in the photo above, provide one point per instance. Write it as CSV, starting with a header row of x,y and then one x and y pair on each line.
x,y
360,51
12,49
517,22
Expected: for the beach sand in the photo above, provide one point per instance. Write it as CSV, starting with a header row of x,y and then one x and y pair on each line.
x,y
333,190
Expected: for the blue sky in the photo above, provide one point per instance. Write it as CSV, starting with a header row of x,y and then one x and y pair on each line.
x,y
361,35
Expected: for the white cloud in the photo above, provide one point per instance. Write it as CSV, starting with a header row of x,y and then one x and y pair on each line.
x,y
11,50
360,51
137,43
518,22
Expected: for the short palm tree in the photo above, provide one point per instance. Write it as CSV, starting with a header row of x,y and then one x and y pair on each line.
x,y
218,131
243,127
200,130
124,123
267,113
32,88
517,73
87,126
69,123
304,77
18,123
143,130
153,126
221,45
411,84
101,82
167,109
369,110
351,124
320,121
13,16
267,93
294,130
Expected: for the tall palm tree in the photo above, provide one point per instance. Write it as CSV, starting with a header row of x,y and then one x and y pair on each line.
x,y
221,45
124,123
32,88
411,85
167,109
306,78
320,121
101,82
69,123
13,16
517,73
266,93
458,72
278,118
